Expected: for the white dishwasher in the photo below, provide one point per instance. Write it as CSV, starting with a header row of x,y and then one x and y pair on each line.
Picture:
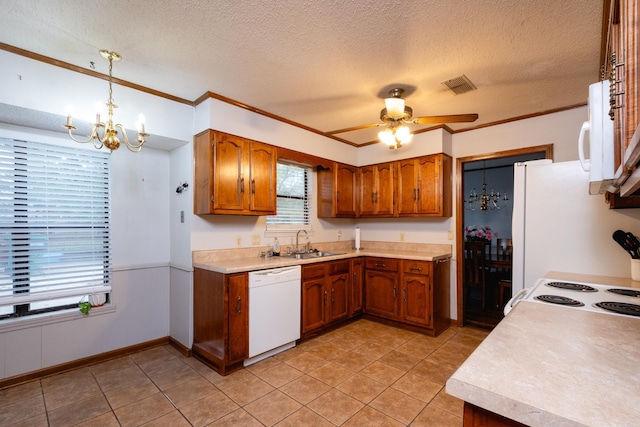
x,y
274,311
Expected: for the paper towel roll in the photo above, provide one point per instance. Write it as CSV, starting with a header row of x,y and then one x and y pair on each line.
x,y
357,245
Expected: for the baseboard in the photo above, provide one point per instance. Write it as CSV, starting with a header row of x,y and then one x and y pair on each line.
x,y
186,352
86,361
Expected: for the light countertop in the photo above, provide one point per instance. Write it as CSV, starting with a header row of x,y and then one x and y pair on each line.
x,y
212,260
545,365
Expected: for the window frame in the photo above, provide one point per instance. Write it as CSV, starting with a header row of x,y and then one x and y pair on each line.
x,y
100,261
276,229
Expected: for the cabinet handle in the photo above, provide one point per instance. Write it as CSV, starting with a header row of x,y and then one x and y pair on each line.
x,y
373,197
242,185
379,265
332,296
417,194
354,278
415,268
415,197
394,292
253,186
239,305
404,293
325,297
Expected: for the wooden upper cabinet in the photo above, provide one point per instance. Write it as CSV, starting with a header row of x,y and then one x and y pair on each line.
x,y
621,68
262,173
337,191
345,190
376,190
424,186
234,175
228,175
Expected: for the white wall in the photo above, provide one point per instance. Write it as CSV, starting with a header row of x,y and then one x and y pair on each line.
x,y
31,84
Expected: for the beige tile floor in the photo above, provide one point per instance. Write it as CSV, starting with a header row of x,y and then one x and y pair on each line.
x,y
363,374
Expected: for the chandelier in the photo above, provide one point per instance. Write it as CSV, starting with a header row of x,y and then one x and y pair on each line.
x,y
485,201
106,133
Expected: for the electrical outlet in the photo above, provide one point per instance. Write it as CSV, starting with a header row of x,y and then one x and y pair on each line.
x,y
402,237
255,239
238,241
182,216
450,235
339,234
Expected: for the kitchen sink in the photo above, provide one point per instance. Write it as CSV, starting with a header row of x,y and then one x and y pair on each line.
x,y
312,255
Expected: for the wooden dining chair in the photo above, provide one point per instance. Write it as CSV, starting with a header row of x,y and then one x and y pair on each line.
x,y
504,248
474,269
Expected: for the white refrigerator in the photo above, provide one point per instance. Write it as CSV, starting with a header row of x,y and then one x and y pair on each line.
x,y
558,226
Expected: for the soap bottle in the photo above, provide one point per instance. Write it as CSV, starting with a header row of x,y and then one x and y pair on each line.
x,y
276,247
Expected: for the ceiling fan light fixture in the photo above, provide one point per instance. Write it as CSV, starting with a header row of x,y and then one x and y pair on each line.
x,y
395,137
395,108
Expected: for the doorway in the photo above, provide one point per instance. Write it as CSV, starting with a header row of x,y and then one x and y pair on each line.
x,y
484,269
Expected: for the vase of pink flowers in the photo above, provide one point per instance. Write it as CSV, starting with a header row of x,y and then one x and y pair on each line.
x,y
479,232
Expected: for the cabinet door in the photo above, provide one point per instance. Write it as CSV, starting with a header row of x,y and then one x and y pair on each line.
x,y
367,193
357,271
407,186
229,185
381,290
237,308
339,286
429,194
262,188
384,189
203,147
345,190
314,304
416,300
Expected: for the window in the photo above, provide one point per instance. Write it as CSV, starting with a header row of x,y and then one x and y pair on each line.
x,y
54,226
293,198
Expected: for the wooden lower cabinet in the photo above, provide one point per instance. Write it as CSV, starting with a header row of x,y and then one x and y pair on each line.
x,y
326,288
220,319
381,287
475,416
414,293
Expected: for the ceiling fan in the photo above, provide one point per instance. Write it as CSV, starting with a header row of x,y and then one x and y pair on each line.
x,y
396,114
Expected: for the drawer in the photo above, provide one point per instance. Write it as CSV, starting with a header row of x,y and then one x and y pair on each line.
x,y
339,267
416,267
382,264
313,271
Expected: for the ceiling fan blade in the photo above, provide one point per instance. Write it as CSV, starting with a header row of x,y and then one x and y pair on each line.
x,y
454,118
372,125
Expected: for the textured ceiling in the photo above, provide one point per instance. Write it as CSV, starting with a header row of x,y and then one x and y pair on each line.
x,y
328,64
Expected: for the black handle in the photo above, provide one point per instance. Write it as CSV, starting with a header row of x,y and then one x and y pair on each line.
x,y
239,305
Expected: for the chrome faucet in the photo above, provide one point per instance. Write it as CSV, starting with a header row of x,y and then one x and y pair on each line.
x,y
298,235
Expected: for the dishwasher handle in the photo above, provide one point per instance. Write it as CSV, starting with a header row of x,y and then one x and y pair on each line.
x,y
278,272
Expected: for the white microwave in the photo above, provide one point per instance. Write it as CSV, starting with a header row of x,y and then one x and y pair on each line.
x,y
600,161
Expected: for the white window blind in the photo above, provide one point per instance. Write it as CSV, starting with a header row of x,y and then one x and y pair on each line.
x,y
293,198
54,225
